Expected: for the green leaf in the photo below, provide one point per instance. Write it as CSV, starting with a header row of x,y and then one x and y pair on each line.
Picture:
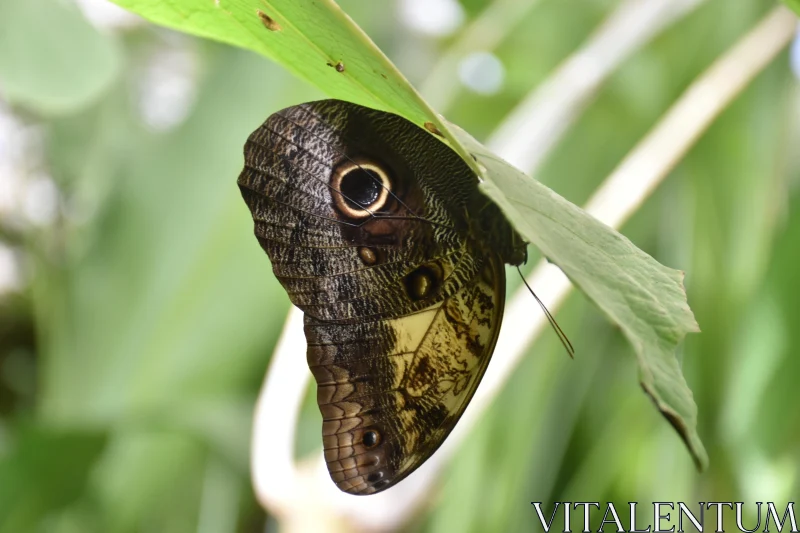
x,y
794,5
646,299
46,470
313,38
308,38
160,300
158,320
51,58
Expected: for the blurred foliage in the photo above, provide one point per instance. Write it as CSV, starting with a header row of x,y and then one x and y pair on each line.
x,y
131,358
74,62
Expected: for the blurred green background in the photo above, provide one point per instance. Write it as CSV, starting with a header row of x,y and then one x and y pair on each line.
x,y
138,313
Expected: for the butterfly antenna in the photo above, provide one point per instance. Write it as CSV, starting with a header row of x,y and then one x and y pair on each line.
x,y
561,335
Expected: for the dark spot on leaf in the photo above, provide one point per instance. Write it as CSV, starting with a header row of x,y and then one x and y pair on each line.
x,y
431,127
339,66
268,21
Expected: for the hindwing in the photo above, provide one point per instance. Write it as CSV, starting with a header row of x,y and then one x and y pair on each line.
x,y
390,390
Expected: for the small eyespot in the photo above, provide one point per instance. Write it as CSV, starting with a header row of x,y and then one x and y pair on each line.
x,y
371,438
373,477
421,285
422,282
381,484
360,188
367,255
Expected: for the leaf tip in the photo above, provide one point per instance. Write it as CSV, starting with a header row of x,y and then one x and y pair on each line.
x,y
686,431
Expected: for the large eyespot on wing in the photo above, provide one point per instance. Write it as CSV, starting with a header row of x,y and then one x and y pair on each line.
x,y
391,390
342,229
362,187
324,205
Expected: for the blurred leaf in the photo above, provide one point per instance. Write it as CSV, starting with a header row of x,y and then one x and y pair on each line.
x,y
158,318
646,299
171,284
51,59
46,470
219,423
150,481
794,4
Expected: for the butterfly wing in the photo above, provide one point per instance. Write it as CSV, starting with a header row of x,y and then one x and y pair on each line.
x,y
391,390
364,218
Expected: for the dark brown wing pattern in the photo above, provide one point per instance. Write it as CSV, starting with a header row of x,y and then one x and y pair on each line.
x,y
365,219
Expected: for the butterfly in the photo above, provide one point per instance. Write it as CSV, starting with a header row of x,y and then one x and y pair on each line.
x,y
377,231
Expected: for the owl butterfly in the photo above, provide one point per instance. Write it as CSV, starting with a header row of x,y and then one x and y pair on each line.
x,y
378,233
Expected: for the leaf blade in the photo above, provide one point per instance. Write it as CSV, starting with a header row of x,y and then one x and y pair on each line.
x,y
794,5
645,298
